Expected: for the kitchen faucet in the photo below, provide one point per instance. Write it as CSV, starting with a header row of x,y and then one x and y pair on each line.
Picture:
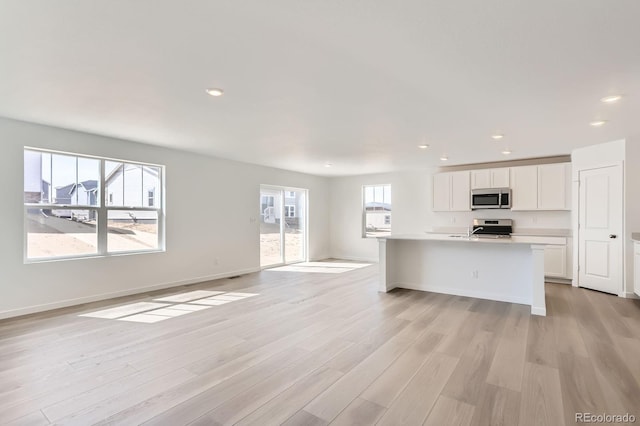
x,y
470,232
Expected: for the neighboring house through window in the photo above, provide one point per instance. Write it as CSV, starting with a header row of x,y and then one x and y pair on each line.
x,y
290,211
376,210
267,201
67,217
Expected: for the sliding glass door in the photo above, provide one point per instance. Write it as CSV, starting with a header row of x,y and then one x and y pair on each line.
x,y
271,252
283,225
295,214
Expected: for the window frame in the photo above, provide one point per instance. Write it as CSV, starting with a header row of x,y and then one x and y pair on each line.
x,y
381,212
102,210
290,210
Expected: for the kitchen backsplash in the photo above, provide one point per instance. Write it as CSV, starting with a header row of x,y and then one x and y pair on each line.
x,y
537,219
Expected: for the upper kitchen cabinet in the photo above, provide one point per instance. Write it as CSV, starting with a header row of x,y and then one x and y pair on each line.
x,y
451,192
460,192
524,188
442,192
543,187
500,178
490,178
554,186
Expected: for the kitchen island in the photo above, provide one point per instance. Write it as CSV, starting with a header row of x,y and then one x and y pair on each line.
x,y
495,269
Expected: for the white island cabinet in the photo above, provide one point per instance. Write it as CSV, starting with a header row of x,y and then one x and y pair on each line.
x,y
494,269
555,261
558,256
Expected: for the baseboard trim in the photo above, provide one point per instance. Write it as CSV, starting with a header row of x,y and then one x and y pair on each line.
x,y
105,296
629,295
539,311
466,293
356,259
557,280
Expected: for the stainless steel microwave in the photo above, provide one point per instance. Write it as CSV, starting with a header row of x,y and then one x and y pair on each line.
x,y
491,198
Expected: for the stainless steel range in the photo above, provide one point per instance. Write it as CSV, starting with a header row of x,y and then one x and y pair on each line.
x,y
492,228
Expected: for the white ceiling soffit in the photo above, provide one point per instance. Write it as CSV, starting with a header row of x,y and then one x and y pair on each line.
x,y
359,84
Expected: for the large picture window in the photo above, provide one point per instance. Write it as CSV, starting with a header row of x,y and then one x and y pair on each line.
x,y
78,206
376,210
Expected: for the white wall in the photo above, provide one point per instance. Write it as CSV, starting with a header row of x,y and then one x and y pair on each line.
x,y
411,197
223,227
632,206
410,211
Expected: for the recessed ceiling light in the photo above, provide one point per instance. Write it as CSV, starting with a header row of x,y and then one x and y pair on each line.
x,y
506,151
423,146
215,91
497,136
328,165
611,99
598,123
444,158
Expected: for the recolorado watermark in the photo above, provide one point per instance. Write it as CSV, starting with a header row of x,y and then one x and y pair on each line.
x,y
605,418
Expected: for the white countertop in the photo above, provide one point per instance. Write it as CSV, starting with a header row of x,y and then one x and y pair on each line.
x,y
535,232
457,238
529,232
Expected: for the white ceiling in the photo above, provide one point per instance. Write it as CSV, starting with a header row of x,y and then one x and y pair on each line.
x,y
356,83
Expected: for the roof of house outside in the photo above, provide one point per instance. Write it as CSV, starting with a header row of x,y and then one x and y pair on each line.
x,y
151,170
65,192
377,206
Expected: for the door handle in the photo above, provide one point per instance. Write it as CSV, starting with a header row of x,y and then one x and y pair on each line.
x,y
612,236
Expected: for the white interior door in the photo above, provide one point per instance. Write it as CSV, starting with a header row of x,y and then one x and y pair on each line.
x,y
600,229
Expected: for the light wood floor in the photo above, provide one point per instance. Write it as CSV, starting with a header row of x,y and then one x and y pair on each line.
x,y
314,349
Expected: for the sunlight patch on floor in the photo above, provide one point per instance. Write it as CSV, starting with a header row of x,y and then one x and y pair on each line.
x,y
173,306
211,302
320,267
121,311
189,296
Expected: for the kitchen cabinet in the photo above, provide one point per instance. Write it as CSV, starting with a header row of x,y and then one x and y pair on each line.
x,y
543,187
554,186
558,254
555,261
460,192
538,187
442,192
451,192
490,178
524,188
500,178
